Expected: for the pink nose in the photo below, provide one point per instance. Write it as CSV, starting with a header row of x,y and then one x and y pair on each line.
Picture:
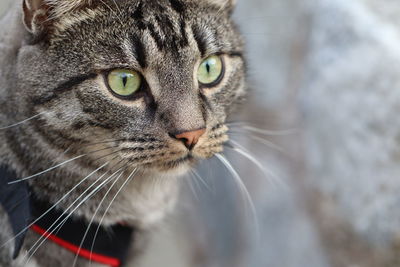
x,y
190,139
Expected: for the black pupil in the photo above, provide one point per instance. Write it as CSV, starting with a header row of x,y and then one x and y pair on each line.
x,y
208,67
124,79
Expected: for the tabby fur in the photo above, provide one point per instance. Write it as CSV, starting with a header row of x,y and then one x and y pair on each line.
x,y
53,57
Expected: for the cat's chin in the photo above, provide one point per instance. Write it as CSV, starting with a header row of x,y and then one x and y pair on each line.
x,y
177,167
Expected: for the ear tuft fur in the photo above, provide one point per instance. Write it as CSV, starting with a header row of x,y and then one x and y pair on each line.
x,y
39,14
62,7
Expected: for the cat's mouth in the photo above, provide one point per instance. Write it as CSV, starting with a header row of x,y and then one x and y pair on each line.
x,y
160,155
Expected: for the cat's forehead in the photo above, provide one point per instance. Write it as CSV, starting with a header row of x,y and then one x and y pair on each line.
x,y
62,7
146,30
140,10
163,19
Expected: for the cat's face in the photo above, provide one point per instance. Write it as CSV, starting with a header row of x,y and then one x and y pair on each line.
x,y
131,81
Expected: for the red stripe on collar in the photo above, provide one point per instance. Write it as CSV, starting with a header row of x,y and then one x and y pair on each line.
x,y
112,262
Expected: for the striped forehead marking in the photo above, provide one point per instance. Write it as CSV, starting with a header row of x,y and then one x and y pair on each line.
x,y
168,29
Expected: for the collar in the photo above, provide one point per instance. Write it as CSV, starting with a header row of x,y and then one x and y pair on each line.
x,y
15,199
111,245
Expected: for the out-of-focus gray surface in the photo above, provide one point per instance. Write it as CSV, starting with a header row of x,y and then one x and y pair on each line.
x,y
353,128
327,72
3,6
350,99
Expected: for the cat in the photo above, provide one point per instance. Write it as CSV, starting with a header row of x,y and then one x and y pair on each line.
x,y
104,105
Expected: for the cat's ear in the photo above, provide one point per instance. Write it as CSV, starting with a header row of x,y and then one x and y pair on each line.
x,y
39,15
36,14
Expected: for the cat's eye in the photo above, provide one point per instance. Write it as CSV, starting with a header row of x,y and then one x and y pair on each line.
x,y
124,83
211,71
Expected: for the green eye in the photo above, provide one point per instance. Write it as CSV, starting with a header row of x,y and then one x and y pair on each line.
x,y
210,71
124,82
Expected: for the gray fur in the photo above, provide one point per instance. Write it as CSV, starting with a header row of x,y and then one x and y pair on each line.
x,y
57,67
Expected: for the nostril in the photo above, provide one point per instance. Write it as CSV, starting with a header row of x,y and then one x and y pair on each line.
x,y
185,141
190,138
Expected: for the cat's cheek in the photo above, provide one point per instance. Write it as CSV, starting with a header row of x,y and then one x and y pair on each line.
x,y
209,153
212,143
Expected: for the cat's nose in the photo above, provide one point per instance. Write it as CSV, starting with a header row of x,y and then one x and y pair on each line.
x,y
191,138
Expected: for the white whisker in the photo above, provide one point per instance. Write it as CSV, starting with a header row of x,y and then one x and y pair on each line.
x,y
260,140
118,15
242,151
22,122
190,183
242,188
118,9
55,205
271,133
254,129
48,170
94,215
109,206
268,144
203,181
54,226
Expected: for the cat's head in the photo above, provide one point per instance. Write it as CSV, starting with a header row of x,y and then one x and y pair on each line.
x,y
144,83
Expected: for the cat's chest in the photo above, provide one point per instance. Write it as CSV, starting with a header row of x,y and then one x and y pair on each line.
x,y
142,203
147,202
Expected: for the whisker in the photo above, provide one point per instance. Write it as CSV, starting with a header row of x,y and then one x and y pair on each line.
x,y
118,9
242,188
201,179
94,215
48,170
117,165
54,227
260,140
254,129
22,122
100,150
189,182
242,151
65,151
64,163
112,10
268,143
195,182
55,205
107,209
106,141
112,153
108,180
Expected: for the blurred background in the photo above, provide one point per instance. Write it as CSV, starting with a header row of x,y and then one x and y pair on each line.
x,y
319,146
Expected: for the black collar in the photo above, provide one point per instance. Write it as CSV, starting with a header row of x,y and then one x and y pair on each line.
x,y
111,245
15,199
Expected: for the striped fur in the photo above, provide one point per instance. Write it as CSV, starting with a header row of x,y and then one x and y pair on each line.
x,y
60,74
63,7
